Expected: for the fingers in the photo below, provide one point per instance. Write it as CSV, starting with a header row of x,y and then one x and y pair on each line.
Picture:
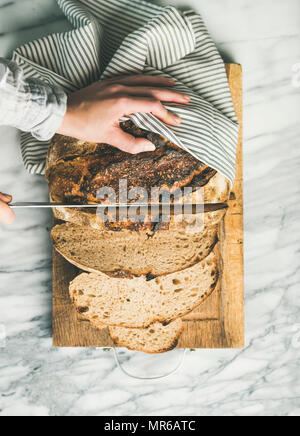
x,y
157,93
130,106
128,143
5,198
7,215
141,80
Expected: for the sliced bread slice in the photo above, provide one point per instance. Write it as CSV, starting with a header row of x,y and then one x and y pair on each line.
x,y
157,338
132,253
139,302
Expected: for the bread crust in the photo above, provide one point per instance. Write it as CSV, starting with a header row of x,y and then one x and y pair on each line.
x,y
76,170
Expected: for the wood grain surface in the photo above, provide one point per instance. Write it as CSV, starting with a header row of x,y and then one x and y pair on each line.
x,y
219,321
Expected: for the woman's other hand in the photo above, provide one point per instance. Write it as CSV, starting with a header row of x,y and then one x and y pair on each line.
x,y
93,113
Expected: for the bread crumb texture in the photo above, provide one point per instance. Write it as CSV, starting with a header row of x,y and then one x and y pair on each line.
x,y
132,253
140,301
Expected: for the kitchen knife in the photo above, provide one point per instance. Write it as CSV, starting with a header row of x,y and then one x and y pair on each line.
x,y
173,208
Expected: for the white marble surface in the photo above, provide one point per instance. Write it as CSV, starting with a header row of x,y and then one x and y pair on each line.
x,y
263,379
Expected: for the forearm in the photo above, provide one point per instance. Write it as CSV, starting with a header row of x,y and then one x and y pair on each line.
x,y
28,104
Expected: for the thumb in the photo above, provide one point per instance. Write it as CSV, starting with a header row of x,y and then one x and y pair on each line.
x,y
7,215
128,143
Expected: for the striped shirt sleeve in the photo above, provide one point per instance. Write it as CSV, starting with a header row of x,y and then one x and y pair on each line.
x,y
29,104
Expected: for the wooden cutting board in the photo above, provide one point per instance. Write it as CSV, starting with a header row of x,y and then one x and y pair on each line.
x,y
219,321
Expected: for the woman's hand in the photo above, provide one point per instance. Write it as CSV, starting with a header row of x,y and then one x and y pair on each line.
x,y
7,215
93,113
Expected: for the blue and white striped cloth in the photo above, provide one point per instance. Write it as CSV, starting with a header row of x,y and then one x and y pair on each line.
x,y
120,37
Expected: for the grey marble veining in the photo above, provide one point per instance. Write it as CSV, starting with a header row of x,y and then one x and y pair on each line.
x,y
263,379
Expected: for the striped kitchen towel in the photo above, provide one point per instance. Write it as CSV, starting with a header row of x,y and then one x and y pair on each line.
x,y
121,37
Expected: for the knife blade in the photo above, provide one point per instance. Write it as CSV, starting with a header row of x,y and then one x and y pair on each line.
x,y
173,207
25,205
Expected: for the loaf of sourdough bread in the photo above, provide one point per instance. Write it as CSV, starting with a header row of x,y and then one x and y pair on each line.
x,y
141,301
145,275
132,253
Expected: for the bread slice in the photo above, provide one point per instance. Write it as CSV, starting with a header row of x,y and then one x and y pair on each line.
x,y
139,302
157,338
132,253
